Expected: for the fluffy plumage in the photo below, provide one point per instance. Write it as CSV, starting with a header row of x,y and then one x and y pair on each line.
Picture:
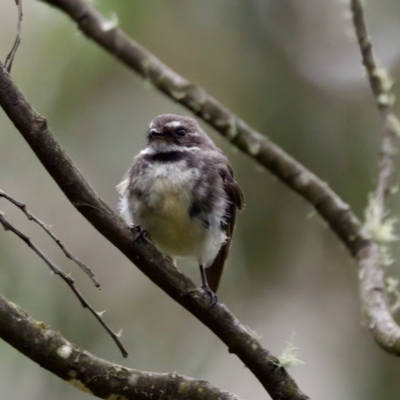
x,y
182,191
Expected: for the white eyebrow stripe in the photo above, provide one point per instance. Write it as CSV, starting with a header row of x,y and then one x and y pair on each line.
x,y
173,124
160,149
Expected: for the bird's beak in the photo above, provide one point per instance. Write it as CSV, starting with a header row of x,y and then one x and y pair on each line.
x,y
156,134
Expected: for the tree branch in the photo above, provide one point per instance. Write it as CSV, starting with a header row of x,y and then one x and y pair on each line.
x,y
67,279
330,206
371,273
141,252
46,228
89,373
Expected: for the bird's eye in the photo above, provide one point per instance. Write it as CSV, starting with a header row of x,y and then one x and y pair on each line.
x,y
180,132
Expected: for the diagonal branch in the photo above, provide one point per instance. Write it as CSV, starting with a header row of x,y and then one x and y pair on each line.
x,y
159,268
46,228
330,206
67,279
371,273
91,374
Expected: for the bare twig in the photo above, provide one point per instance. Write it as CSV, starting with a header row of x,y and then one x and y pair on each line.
x,y
11,54
67,279
159,268
46,228
381,86
371,273
91,374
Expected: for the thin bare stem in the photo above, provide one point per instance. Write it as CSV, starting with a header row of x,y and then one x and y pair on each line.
x,y
46,228
373,294
67,279
381,86
10,57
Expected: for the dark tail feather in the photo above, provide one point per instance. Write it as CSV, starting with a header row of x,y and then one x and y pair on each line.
x,y
214,272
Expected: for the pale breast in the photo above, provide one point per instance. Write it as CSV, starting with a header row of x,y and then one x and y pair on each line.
x,y
163,207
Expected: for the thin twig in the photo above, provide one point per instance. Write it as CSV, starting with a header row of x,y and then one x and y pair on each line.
x,y
67,279
381,86
373,294
11,54
46,228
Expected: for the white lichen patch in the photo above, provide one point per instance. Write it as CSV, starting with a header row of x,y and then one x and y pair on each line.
x,y
384,77
232,130
392,289
289,358
303,179
109,24
386,99
177,94
381,228
64,351
253,147
387,259
79,385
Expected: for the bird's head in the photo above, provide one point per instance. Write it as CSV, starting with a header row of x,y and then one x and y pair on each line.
x,y
170,132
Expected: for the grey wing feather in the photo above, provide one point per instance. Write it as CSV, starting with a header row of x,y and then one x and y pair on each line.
x,y
235,196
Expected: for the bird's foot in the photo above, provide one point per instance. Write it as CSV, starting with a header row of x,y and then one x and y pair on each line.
x,y
213,297
140,232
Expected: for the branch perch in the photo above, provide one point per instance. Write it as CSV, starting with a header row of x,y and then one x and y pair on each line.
x,y
46,228
91,374
67,279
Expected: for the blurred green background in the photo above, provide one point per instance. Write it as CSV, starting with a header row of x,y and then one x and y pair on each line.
x,y
292,70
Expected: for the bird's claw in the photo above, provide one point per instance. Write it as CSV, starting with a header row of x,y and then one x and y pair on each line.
x,y
140,232
211,294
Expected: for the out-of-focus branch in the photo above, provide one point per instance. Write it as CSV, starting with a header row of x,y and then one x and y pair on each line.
x,y
142,252
46,228
381,86
371,274
330,206
91,374
17,41
67,279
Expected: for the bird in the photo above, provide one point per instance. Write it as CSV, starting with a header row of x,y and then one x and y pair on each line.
x,y
181,191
